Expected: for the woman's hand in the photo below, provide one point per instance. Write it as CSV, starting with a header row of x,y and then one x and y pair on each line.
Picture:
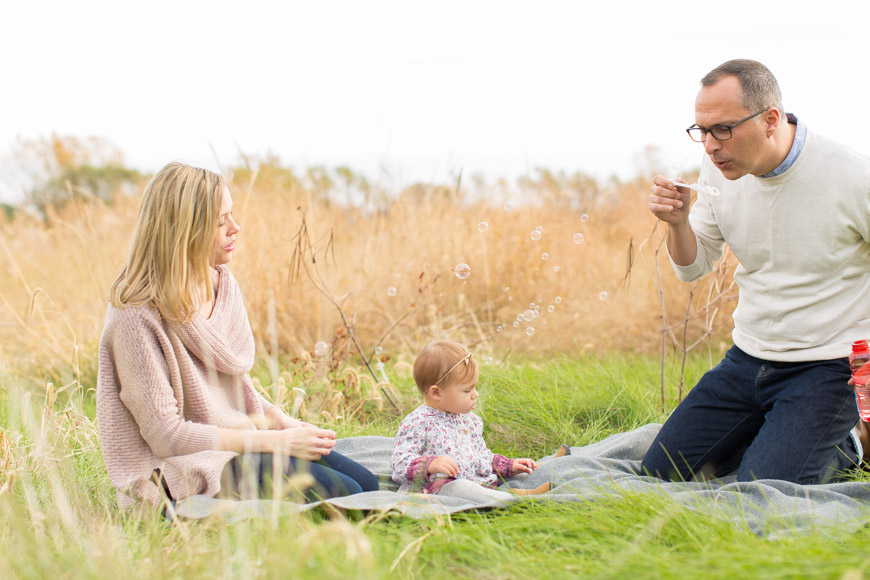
x,y
523,465
303,442
308,443
444,464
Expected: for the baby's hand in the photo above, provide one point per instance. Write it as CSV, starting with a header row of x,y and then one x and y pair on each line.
x,y
444,464
523,465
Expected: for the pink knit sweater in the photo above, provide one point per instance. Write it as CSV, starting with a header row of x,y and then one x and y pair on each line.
x,y
163,391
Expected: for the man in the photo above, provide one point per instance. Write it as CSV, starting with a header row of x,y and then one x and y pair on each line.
x,y
794,208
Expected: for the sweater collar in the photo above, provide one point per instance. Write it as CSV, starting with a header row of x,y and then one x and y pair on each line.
x,y
224,341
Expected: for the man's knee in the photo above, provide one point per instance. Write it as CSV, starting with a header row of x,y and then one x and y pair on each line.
x,y
659,463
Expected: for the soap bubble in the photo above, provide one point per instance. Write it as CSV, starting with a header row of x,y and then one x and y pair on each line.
x,y
536,235
545,256
602,296
584,218
539,228
521,316
499,328
578,238
482,227
516,324
551,308
558,300
555,268
540,299
510,206
528,315
530,331
380,366
531,304
321,348
378,350
487,360
391,291
462,271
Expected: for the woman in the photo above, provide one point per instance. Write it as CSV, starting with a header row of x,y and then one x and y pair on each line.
x,y
177,412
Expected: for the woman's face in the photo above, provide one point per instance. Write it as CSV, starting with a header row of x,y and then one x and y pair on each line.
x,y
225,237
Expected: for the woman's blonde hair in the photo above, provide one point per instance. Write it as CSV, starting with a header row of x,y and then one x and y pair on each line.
x,y
168,261
443,363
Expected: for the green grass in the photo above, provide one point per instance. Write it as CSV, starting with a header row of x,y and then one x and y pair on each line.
x,y
59,518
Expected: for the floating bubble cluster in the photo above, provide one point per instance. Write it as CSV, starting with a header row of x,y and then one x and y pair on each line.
x,y
321,348
579,238
462,271
482,227
391,291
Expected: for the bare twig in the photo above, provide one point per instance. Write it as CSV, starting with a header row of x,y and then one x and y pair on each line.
x,y
304,250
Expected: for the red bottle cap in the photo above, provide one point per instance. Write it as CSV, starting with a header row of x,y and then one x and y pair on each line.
x,y
860,346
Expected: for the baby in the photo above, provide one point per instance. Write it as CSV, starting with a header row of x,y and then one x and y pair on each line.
x,y
439,446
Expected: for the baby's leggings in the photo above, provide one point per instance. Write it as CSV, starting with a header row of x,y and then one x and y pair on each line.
x,y
467,489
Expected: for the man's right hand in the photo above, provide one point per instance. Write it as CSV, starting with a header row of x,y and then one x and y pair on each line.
x,y
671,204
668,202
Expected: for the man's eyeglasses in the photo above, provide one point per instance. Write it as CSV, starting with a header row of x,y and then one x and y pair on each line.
x,y
719,132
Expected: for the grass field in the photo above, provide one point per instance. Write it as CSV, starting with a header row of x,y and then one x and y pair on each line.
x,y
59,519
375,283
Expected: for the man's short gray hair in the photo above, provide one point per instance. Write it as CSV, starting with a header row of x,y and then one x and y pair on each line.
x,y
760,89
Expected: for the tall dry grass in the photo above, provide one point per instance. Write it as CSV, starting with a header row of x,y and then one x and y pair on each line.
x,y
55,274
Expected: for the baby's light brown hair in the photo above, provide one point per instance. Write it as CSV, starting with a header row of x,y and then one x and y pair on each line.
x,y
441,363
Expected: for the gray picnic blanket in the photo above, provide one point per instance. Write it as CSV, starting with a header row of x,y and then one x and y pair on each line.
x,y
603,469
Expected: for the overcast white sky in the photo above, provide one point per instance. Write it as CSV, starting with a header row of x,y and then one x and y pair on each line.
x,y
423,89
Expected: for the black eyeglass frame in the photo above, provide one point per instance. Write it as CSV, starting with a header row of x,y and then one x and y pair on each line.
x,y
704,132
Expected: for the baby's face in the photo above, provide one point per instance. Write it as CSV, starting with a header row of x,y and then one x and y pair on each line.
x,y
459,398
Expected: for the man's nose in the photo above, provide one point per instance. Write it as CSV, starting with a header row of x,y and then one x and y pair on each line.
x,y
711,144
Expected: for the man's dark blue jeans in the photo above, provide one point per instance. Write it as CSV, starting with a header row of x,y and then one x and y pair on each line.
x,y
767,420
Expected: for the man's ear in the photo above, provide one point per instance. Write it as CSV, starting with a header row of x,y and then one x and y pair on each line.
x,y
773,117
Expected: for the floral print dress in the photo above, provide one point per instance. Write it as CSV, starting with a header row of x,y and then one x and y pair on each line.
x,y
427,433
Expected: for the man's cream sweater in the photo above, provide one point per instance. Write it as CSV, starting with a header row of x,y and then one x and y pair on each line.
x,y
802,242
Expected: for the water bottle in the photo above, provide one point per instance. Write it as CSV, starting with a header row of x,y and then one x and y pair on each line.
x,y
861,376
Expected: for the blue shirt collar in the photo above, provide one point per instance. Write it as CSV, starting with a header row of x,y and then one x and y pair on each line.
x,y
800,137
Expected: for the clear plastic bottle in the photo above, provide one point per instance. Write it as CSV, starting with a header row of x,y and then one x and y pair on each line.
x,y
858,360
